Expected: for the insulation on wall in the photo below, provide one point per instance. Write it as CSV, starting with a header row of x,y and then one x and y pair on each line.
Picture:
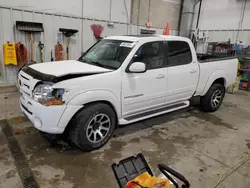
x,y
159,12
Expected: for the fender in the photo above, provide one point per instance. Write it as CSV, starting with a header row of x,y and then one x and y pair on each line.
x,y
214,76
97,95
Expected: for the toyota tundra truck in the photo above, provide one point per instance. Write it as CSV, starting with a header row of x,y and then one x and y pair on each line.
x,y
118,81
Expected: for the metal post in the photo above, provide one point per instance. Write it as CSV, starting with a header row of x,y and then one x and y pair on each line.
x,y
149,4
241,18
180,17
82,28
138,15
110,6
199,12
3,68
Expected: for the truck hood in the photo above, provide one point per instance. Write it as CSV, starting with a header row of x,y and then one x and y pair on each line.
x,y
63,68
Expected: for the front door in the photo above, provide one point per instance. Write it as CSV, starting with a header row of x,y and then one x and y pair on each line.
x,y
145,91
183,72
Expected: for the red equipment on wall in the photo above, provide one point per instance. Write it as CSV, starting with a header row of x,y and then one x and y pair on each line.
x,y
21,54
59,52
97,30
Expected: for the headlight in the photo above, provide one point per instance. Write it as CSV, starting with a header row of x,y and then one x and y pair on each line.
x,y
47,96
42,91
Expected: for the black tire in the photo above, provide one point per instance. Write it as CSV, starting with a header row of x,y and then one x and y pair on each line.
x,y
81,121
206,101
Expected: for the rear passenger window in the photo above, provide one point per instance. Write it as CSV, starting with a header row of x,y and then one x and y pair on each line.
x,y
179,53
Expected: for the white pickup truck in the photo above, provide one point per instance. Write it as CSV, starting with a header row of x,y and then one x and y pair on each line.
x,y
120,80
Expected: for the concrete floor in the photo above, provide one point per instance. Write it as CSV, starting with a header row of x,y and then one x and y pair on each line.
x,y
201,146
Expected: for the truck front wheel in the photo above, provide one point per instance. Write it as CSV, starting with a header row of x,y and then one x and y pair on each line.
x,y
93,126
213,98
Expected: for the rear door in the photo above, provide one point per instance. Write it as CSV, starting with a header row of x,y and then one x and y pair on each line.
x,y
182,72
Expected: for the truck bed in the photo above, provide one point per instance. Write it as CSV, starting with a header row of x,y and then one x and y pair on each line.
x,y
225,67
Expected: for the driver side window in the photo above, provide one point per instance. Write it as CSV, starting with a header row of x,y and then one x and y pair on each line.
x,y
152,54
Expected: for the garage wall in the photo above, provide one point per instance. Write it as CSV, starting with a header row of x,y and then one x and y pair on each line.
x,y
76,14
52,22
98,9
223,14
221,20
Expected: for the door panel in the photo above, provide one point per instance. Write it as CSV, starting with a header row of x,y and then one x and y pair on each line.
x,y
183,72
143,91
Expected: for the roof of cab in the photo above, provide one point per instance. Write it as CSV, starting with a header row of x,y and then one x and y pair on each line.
x,y
134,38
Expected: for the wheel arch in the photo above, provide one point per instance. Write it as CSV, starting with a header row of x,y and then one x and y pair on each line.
x,y
104,102
92,103
216,77
92,97
221,81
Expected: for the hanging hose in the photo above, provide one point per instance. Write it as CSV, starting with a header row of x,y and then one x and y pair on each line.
x,y
59,52
22,54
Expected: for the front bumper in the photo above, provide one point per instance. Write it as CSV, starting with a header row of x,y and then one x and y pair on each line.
x,y
49,119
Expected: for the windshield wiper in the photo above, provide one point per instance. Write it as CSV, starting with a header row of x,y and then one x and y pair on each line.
x,y
82,60
96,63
100,64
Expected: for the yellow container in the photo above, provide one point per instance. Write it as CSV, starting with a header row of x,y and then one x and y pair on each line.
x,y
9,54
235,87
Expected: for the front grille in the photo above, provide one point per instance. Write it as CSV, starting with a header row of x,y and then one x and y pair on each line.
x,y
25,77
25,84
26,109
26,93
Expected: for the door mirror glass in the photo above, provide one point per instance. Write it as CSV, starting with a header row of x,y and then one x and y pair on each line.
x,y
137,67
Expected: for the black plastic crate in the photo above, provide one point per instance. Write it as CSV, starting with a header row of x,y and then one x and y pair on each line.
x,y
130,168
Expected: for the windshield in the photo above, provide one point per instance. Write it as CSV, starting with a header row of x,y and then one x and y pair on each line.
x,y
107,53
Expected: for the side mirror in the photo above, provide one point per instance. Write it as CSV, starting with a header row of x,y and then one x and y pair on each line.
x,y
137,67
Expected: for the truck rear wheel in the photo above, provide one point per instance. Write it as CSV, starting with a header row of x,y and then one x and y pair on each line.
x,y
93,126
213,98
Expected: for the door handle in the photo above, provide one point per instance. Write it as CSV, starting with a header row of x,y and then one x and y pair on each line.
x,y
160,76
193,71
